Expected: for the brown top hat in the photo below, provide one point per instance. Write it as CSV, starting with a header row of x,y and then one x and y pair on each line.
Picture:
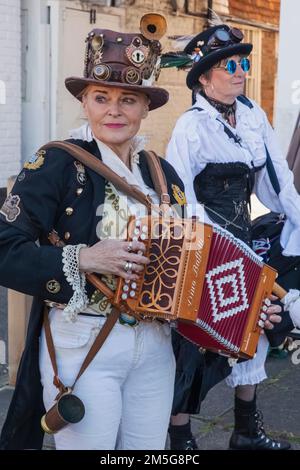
x,y
129,61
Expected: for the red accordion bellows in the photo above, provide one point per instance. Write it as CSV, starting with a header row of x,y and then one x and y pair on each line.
x,y
212,283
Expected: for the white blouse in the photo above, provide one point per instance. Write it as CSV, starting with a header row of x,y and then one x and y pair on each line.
x,y
198,138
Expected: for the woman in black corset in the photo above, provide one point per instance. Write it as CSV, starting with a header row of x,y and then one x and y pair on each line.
x,y
219,149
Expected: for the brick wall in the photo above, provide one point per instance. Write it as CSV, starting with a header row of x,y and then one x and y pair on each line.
x,y
10,76
264,11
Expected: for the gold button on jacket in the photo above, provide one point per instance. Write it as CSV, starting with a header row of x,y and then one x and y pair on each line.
x,y
53,286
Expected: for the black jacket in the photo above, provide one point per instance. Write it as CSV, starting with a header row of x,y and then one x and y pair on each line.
x,y
38,204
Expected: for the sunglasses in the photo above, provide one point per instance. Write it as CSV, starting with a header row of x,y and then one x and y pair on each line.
x,y
231,65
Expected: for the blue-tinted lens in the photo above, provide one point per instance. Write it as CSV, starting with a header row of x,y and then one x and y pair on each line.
x,y
231,66
245,64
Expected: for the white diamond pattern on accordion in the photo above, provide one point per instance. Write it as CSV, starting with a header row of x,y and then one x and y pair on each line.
x,y
238,301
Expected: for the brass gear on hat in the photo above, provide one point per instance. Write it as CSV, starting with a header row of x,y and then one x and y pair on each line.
x,y
102,72
131,75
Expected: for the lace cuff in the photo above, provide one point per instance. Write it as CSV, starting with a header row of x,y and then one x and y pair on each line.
x,y
77,281
291,304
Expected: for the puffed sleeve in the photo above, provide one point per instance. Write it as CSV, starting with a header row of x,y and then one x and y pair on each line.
x,y
184,154
288,200
26,218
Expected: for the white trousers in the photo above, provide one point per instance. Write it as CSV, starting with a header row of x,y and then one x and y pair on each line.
x,y
127,390
253,371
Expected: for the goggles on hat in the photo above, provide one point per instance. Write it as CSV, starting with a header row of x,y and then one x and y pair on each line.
x,y
231,65
222,37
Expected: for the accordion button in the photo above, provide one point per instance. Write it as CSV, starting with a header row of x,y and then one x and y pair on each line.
x,y
261,323
134,285
126,288
136,231
145,228
124,296
137,223
143,236
132,293
135,239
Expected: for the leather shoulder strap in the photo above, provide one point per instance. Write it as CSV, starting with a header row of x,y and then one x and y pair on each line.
x,y
96,346
243,99
89,160
158,176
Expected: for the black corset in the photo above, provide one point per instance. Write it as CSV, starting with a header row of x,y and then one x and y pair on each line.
x,y
225,189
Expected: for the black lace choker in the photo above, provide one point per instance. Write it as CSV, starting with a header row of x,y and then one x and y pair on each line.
x,y
227,110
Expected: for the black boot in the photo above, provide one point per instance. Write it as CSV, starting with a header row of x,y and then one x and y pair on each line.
x,y
181,437
248,431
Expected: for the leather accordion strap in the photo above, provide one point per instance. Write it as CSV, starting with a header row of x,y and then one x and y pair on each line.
x,y
96,346
89,160
99,341
158,177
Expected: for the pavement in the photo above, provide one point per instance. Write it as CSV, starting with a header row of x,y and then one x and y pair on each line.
x,y
278,399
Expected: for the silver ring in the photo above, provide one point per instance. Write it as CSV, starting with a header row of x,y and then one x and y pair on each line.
x,y
129,248
128,266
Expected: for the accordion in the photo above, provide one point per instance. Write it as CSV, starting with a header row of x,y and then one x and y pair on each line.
x,y
212,284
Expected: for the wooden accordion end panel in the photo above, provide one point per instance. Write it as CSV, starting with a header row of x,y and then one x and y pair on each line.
x,y
171,284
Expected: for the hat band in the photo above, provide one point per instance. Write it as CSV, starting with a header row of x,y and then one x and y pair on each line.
x,y
129,75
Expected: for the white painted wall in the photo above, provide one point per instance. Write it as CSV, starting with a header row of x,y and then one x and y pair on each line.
x,y
288,90
10,89
36,76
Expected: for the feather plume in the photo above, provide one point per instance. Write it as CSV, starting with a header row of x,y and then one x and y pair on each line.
x,y
179,42
215,19
181,60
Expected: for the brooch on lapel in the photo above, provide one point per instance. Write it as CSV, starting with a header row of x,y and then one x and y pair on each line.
x,y
36,161
10,208
81,176
179,195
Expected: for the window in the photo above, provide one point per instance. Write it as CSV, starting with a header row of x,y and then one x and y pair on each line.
x,y
253,81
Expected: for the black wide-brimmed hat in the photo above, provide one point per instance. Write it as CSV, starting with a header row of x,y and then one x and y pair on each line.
x,y
128,61
211,46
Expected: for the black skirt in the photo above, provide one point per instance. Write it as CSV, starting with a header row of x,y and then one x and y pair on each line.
x,y
224,188
196,374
